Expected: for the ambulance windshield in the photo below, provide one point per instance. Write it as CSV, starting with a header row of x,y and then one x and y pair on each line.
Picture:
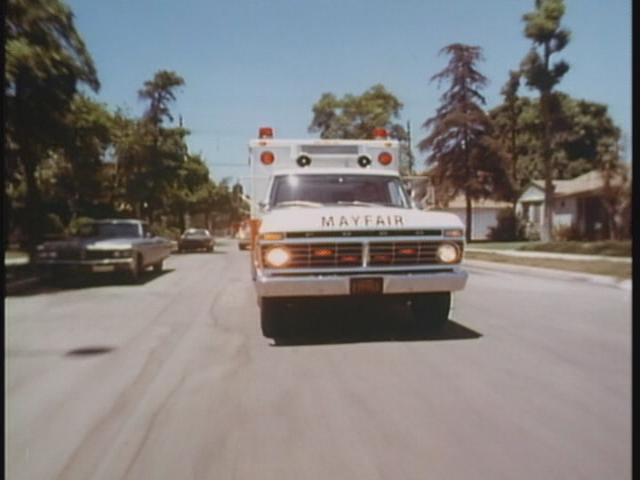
x,y
332,189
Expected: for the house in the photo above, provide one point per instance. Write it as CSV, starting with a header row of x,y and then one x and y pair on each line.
x,y
577,204
484,212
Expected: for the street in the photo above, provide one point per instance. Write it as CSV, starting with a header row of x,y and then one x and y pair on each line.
x,y
172,379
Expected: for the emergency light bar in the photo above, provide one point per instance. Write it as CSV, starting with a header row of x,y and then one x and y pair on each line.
x,y
265,132
380,133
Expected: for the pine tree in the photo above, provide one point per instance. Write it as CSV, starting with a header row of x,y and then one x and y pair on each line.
x,y
459,140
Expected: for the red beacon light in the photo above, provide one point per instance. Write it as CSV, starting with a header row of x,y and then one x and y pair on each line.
x,y
380,133
265,132
267,158
385,158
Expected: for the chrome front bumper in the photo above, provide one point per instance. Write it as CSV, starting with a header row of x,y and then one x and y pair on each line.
x,y
117,264
330,285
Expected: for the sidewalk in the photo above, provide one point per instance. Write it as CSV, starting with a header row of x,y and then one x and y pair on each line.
x,y
624,284
560,256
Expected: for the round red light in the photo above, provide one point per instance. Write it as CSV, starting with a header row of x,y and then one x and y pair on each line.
x,y
267,158
385,158
379,133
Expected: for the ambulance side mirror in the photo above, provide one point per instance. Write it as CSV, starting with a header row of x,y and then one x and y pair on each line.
x,y
263,205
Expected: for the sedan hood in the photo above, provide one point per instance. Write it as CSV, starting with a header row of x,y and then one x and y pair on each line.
x,y
336,219
90,242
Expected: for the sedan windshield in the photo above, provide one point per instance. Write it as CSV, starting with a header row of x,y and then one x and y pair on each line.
x,y
196,232
332,189
110,230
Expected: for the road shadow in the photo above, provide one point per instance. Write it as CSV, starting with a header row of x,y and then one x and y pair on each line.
x,y
84,281
385,324
89,351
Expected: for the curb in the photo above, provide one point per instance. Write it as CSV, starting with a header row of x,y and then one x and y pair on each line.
x,y
20,274
17,286
623,284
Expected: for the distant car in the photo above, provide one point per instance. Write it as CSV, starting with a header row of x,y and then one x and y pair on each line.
x,y
113,245
244,237
196,239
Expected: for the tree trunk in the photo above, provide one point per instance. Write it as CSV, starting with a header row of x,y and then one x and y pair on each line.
x,y
33,204
546,235
181,220
469,212
514,152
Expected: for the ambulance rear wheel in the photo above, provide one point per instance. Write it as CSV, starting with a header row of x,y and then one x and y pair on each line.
x,y
272,317
431,310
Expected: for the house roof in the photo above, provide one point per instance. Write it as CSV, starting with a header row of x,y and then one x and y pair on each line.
x,y
590,182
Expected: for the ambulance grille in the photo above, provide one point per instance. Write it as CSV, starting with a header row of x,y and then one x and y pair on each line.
x,y
380,254
403,253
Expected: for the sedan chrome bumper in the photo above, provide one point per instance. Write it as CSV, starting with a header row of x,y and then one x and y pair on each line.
x,y
330,285
101,265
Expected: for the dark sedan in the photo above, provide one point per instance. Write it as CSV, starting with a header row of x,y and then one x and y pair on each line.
x,y
196,239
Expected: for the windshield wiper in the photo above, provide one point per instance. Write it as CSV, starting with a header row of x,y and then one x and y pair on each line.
x,y
361,204
297,203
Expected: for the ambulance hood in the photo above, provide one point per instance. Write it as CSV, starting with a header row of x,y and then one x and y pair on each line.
x,y
349,218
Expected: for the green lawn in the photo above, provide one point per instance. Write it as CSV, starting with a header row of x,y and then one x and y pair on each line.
x,y
610,247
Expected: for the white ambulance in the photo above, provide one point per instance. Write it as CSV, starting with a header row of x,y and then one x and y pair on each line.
x,y
335,221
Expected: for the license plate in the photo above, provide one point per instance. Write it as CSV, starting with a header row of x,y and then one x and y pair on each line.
x,y
366,286
102,268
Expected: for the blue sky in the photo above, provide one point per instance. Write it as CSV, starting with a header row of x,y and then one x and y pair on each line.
x,y
250,63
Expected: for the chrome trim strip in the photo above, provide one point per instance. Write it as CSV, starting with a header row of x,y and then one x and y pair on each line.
x,y
381,239
358,270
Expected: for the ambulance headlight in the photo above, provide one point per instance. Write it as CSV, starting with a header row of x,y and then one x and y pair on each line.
x,y
448,253
277,257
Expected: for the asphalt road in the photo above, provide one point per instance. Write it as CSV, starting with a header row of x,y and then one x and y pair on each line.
x,y
172,379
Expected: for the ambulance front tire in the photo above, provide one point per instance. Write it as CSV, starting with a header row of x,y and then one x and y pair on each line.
x,y
431,310
271,317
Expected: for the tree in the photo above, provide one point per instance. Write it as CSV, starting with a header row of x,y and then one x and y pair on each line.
x,y
46,62
160,93
508,124
150,154
459,136
616,194
542,26
356,116
578,127
84,150
190,190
